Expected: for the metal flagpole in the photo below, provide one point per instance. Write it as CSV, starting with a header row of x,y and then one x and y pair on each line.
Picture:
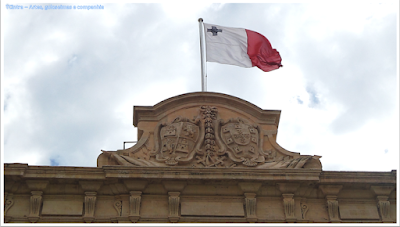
x,y
203,71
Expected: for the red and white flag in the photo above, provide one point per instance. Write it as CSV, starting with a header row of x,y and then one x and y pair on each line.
x,y
241,47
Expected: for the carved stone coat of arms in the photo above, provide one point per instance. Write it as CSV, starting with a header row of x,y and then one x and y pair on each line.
x,y
210,138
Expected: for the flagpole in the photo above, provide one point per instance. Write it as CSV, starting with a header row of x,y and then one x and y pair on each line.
x,y
203,73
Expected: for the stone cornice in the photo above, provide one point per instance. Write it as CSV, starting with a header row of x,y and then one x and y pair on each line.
x,y
335,177
24,171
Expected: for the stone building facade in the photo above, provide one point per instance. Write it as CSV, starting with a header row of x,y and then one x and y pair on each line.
x,y
200,157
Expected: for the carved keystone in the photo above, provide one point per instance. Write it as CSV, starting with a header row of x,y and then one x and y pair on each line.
x,y
383,204
331,192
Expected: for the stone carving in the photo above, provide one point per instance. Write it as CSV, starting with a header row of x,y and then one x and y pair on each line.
x,y
8,203
173,203
118,207
35,204
251,207
90,204
242,141
288,204
134,205
304,209
209,141
178,140
333,208
383,207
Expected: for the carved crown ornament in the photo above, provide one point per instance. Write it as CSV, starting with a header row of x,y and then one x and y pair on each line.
x,y
207,130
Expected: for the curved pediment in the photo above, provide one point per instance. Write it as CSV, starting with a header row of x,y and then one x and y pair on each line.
x,y
184,101
205,129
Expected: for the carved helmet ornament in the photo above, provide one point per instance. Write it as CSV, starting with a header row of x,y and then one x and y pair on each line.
x,y
209,140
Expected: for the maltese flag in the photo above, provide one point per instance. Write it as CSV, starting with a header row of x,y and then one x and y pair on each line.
x,y
241,47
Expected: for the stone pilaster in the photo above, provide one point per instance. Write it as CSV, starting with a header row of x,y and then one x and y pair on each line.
x,y
37,187
250,189
135,188
251,207
90,206
382,195
331,192
90,188
288,204
134,205
34,206
384,207
288,190
173,206
174,189
333,208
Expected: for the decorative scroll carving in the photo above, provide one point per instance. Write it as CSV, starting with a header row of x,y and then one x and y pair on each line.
x,y
251,207
383,207
118,207
288,204
34,205
333,208
173,203
134,205
304,209
90,205
8,202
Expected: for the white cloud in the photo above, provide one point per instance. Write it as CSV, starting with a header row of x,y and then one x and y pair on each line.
x,y
71,78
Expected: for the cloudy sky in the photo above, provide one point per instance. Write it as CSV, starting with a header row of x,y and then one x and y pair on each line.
x,y
70,78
